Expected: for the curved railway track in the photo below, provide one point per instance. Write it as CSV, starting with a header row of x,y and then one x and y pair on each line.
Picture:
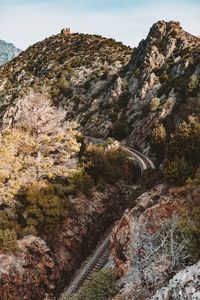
x,y
101,254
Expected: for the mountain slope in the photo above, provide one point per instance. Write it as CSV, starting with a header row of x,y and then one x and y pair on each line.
x,y
7,52
106,91
74,69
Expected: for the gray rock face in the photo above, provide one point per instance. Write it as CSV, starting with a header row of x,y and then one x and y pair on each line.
x,y
7,52
184,285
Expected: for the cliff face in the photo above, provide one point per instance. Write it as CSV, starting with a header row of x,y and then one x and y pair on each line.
x,y
111,90
29,274
37,269
184,285
142,272
7,52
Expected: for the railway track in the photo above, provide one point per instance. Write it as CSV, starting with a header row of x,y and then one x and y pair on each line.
x,y
144,162
101,254
94,264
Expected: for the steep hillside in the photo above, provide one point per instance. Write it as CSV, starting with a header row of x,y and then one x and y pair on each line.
x,y
74,68
106,91
7,52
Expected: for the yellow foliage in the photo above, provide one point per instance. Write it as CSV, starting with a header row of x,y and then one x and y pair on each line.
x,y
25,158
8,240
38,149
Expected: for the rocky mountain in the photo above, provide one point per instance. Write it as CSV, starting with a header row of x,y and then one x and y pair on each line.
x,y
111,90
7,52
61,193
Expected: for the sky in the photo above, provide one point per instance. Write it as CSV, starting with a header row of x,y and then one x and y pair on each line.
x,y
24,22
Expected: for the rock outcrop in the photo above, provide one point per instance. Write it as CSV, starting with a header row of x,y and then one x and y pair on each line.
x,y
28,275
184,285
36,269
151,209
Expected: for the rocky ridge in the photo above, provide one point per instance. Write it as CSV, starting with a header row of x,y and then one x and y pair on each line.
x,y
111,90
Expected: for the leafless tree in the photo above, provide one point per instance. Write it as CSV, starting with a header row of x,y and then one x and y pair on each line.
x,y
36,114
150,249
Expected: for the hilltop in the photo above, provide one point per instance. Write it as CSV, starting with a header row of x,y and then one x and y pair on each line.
x,y
74,69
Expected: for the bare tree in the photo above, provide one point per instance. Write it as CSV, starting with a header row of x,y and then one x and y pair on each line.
x,y
36,114
42,144
151,251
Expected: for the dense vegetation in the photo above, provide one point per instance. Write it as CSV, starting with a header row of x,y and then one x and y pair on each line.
x,y
40,168
181,150
182,167
102,286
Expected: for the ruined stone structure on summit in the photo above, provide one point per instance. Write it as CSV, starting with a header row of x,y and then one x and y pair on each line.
x,y
66,31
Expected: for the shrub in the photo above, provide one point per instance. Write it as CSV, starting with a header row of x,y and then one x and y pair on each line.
x,y
186,140
158,141
102,286
192,183
120,129
82,182
155,103
8,240
124,99
193,83
45,205
177,171
64,86
154,242
109,164
189,225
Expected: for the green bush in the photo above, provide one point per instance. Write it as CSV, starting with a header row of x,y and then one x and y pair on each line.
x,y
109,164
120,129
177,171
102,286
194,182
124,99
189,225
82,183
186,140
158,141
155,103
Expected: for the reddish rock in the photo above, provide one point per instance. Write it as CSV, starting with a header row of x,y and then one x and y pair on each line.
x,y
29,274
36,269
152,207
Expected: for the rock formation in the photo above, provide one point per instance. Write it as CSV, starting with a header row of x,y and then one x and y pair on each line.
x,y
184,285
152,208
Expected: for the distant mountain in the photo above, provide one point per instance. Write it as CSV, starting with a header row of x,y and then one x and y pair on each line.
x,y
7,52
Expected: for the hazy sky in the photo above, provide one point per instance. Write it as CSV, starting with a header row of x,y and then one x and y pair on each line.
x,y
24,22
